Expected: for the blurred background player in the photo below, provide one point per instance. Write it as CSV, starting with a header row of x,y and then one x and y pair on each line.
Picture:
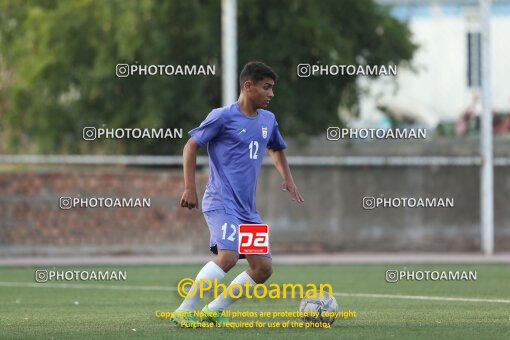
x,y
236,137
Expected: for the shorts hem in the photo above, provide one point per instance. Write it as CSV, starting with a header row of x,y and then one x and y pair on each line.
x,y
214,250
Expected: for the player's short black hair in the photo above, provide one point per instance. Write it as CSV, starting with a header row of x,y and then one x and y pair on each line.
x,y
256,71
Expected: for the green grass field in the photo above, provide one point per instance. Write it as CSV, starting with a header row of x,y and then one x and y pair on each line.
x,y
69,310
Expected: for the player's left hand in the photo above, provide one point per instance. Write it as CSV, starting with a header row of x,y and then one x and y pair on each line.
x,y
293,190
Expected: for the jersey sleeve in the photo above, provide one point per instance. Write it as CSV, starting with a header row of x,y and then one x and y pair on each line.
x,y
276,141
209,129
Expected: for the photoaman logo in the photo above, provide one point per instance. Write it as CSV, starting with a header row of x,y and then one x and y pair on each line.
x,y
253,239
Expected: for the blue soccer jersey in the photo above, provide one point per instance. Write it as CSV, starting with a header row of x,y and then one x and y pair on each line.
x,y
236,145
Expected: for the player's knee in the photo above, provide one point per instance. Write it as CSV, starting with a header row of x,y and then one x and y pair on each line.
x,y
226,261
268,272
264,272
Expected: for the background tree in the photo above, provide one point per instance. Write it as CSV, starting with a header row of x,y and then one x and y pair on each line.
x,y
57,65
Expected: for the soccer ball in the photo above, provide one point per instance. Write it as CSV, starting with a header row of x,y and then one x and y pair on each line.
x,y
319,306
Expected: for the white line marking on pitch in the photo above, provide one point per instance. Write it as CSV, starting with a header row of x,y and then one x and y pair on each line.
x,y
418,297
82,286
172,289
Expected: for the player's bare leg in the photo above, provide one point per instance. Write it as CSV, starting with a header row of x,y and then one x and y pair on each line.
x,y
260,270
226,259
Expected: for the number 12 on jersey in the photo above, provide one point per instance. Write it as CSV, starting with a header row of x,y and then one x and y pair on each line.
x,y
254,149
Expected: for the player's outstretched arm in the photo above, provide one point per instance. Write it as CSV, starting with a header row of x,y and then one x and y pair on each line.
x,y
280,161
189,197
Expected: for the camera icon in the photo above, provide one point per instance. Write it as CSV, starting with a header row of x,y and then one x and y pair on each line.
x,y
333,133
122,70
368,203
41,276
89,133
391,276
65,203
304,70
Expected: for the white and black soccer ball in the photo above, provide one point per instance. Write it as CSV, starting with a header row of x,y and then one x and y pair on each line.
x,y
319,306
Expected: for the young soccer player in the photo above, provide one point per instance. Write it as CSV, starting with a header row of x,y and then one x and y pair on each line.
x,y
236,137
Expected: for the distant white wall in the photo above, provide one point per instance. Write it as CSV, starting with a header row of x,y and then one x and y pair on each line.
x,y
440,86
500,50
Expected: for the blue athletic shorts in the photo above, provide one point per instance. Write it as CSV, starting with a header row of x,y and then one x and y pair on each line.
x,y
224,229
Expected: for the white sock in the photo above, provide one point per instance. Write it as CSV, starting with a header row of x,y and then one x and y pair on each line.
x,y
221,302
210,271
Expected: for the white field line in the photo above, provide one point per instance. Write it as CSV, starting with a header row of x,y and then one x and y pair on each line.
x,y
173,289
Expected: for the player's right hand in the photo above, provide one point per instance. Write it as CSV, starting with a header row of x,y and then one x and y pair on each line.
x,y
189,199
